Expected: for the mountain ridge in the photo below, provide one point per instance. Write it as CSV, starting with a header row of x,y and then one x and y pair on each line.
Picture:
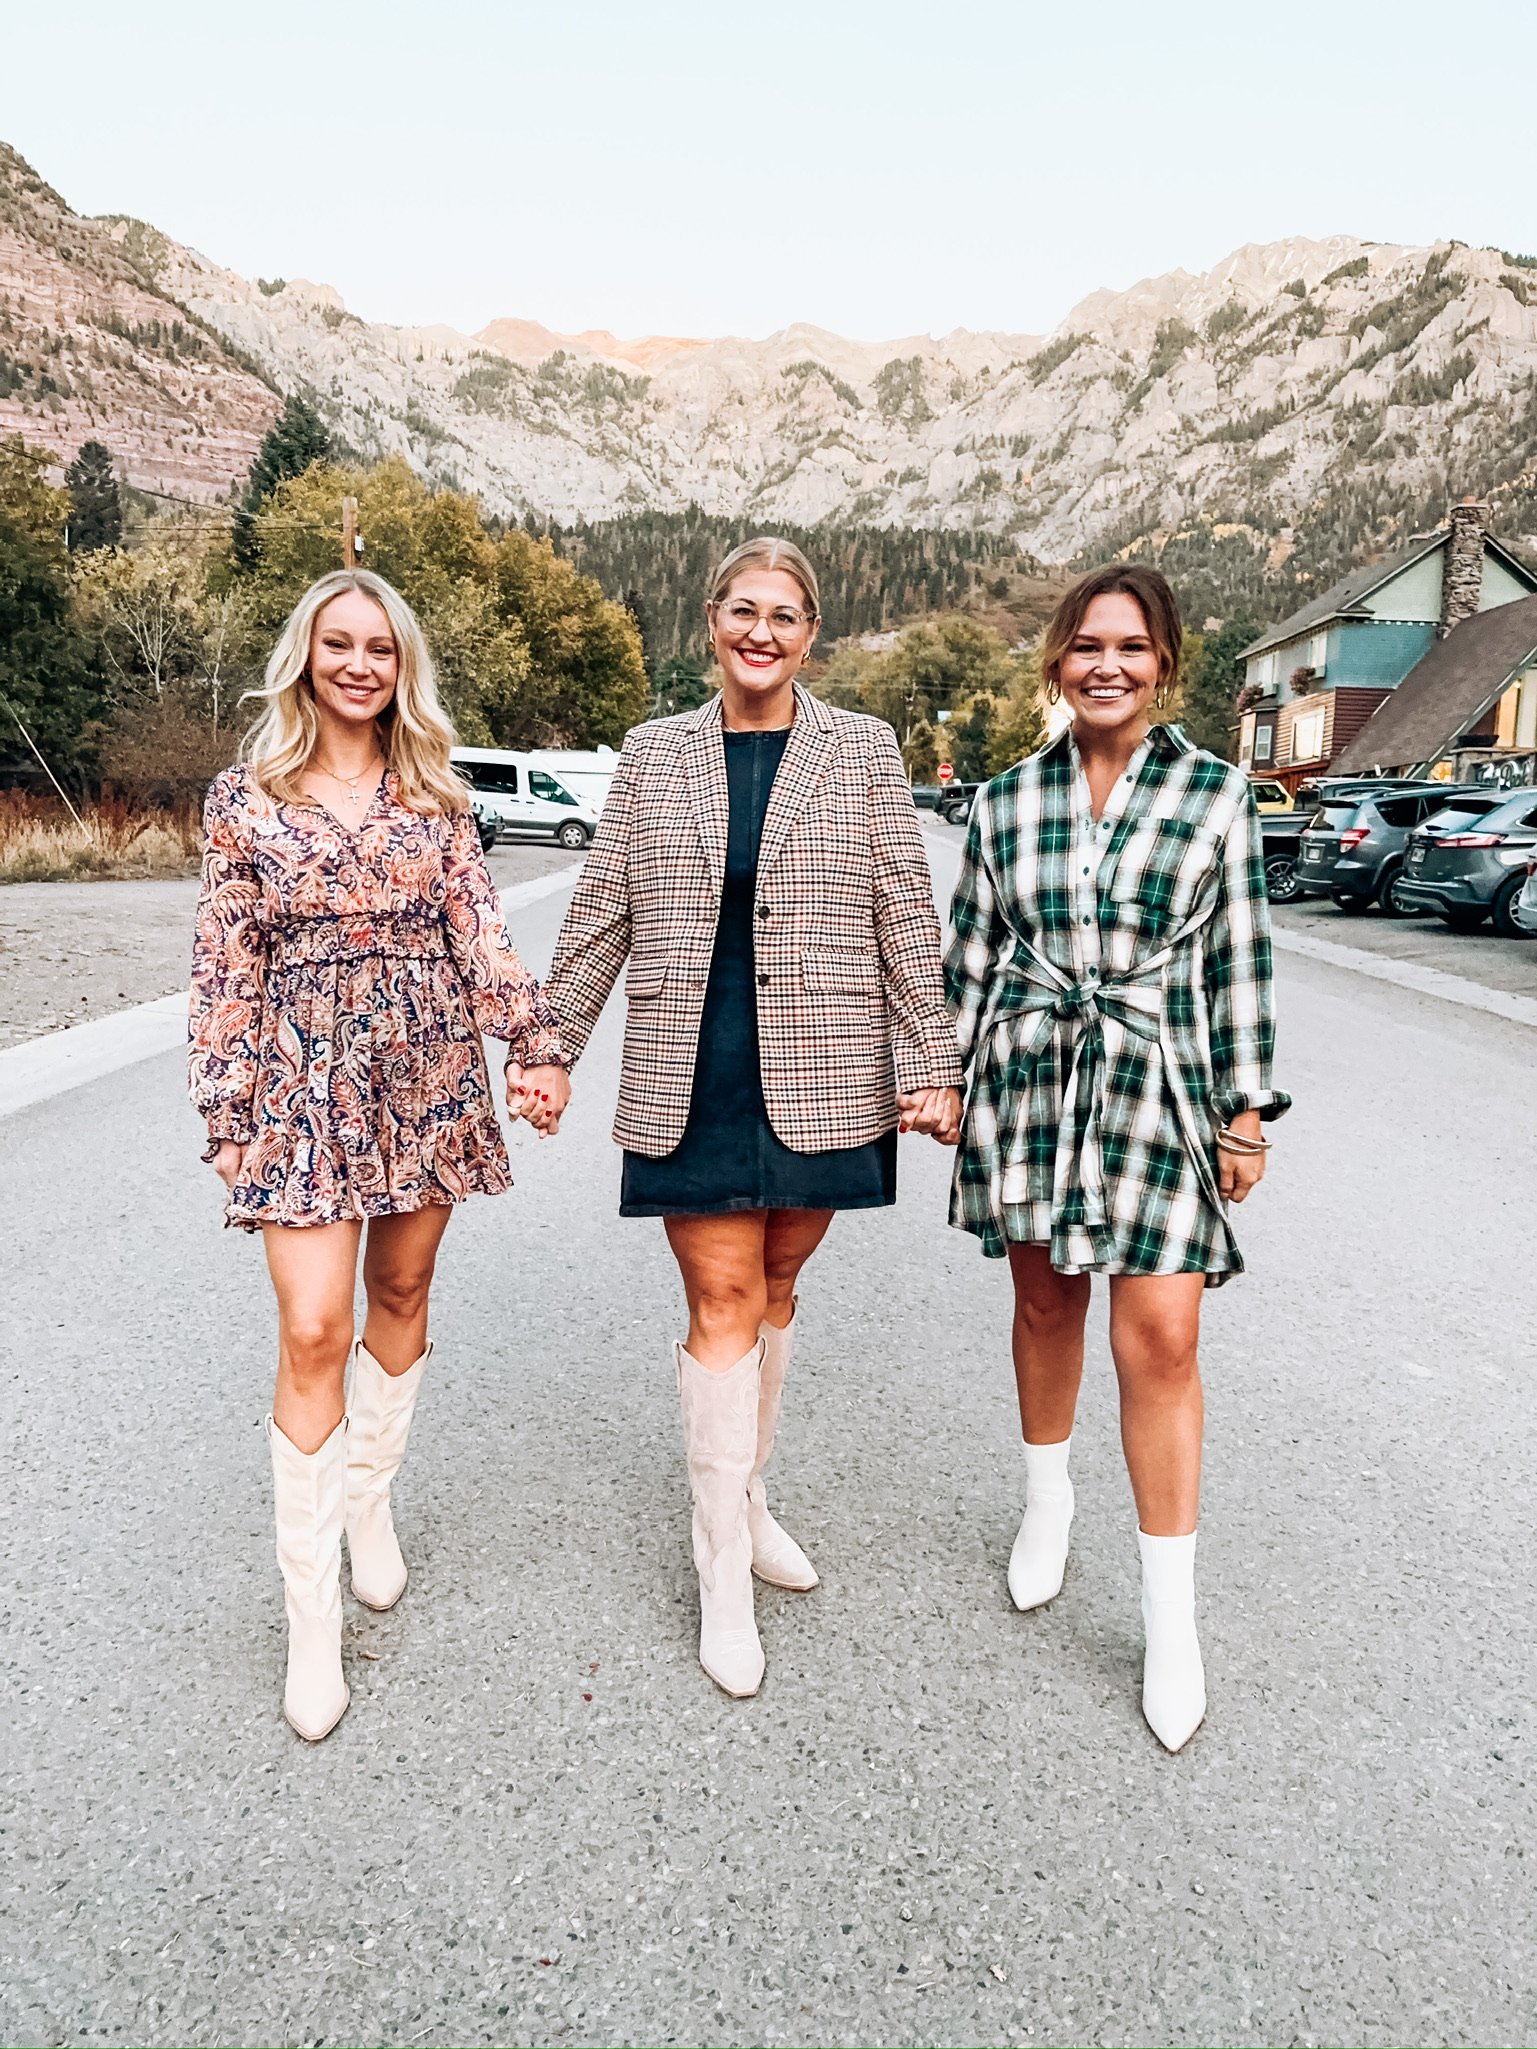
x,y
1327,385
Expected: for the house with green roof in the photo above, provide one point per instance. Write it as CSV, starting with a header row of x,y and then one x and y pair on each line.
x,y
1313,681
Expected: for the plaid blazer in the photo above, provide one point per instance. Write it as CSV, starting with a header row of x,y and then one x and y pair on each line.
x,y
851,1004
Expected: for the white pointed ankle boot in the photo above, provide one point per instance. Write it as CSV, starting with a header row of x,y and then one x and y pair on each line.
x,y
720,1438
309,1495
380,1406
1039,1557
1173,1678
776,1557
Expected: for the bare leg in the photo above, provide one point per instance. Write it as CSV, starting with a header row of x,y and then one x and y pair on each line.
x,y
314,1274
790,1237
721,1261
398,1264
1155,1323
1049,1313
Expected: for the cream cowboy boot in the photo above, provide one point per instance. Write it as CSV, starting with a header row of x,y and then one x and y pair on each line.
x,y
309,1495
380,1406
1039,1557
1173,1679
720,1436
776,1557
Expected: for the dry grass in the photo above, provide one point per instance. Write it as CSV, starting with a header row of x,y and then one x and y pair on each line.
x,y
42,843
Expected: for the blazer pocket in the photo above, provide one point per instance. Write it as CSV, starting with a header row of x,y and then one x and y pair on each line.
x,y
841,972
644,979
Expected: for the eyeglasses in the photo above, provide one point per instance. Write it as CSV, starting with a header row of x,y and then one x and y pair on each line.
x,y
738,618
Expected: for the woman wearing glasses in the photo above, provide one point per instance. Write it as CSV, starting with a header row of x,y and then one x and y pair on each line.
x,y
759,863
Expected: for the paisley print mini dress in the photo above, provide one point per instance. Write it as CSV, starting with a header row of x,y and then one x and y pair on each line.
x,y
341,982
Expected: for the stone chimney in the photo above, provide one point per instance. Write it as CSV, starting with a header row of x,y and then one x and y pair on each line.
x,y
1462,566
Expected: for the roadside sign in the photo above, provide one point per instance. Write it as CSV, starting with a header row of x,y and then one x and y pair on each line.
x,y
945,771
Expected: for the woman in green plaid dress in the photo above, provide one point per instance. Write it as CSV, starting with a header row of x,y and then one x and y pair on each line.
x,y
1111,977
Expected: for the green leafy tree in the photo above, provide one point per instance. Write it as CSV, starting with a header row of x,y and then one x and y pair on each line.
x,y
529,651
45,673
297,438
95,500
1211,676
1020,727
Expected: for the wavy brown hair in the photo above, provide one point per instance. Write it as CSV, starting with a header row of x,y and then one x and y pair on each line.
x,y
1149,587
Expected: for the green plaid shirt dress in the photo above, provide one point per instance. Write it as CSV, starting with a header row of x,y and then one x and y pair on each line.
x,y
1111,981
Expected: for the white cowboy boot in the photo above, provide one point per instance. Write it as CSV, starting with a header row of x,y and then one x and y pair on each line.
x,y
720,1437
309,1494
1039,1557
380,1406
776,1557
1173,1679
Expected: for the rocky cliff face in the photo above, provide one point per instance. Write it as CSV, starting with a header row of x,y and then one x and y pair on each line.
x,y
91,349
1293,375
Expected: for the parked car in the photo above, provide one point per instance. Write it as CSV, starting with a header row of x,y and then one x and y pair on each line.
x,y
525,799
927,795
1280,841
955,802
1478,869
1270,796
486,826
1526,902
1353,846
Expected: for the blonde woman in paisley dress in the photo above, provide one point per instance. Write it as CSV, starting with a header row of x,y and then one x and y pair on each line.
x,y
1112,982
350,951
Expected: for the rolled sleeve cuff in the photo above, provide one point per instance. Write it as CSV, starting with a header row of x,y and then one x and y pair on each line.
x,y
539,1049
230,1124
1231,1103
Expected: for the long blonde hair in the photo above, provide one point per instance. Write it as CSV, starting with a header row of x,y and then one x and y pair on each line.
x,y
414,730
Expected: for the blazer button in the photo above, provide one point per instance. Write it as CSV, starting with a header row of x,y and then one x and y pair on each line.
x,y
763,981
763,910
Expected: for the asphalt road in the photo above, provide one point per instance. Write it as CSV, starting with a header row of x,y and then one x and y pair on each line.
x,y
941,1821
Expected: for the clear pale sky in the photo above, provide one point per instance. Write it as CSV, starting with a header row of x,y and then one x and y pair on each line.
x,y
694,167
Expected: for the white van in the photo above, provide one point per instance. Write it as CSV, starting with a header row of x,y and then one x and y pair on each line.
x,y
585,771
526,799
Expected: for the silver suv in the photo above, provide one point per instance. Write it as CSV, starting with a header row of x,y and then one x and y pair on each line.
x,y
1353,847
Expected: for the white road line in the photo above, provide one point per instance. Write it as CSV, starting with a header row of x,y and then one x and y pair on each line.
x,y
1403,974
1408,974
45,1067
65,1060
542,885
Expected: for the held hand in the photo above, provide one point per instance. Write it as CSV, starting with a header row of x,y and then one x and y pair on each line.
x,y
538,1094
935,1111
1237,1173
226,1161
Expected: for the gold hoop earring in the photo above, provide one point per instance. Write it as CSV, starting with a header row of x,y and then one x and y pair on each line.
x,y
1053,692
1161,698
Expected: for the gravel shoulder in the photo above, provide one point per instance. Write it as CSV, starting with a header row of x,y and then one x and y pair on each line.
x,y
73,951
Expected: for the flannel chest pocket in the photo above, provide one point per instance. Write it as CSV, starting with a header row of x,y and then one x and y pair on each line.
x,y
1163,870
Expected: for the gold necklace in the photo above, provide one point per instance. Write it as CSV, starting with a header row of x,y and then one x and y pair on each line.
x,y
350,781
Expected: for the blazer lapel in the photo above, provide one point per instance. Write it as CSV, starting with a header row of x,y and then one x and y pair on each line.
x,y
807,753
704,761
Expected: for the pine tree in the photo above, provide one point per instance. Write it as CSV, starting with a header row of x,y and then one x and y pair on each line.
x,y
95,501
296,438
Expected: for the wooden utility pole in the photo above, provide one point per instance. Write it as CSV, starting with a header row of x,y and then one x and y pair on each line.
x,y
349,533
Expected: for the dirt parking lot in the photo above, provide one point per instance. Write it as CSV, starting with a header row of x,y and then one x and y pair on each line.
x,y
70,951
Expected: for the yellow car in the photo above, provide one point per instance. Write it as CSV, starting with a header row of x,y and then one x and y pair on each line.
x,y
1270,796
